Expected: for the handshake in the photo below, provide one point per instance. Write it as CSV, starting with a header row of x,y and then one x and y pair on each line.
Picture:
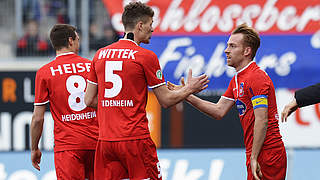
x,y
193,84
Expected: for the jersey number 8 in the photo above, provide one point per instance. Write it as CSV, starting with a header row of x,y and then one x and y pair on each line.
x,y
76,85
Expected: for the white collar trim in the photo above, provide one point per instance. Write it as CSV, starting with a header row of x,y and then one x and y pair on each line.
x,y
245,67
129,40
67,53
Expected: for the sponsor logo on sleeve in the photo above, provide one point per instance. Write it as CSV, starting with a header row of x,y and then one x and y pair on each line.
x,y
159,74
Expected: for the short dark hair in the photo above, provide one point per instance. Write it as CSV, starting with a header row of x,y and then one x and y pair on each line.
x,y
250,37
59,35
135,12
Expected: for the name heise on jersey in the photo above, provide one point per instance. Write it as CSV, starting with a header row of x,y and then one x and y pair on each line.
x,y
70,68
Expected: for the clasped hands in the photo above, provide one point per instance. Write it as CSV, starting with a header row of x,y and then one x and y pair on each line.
x,y
198,83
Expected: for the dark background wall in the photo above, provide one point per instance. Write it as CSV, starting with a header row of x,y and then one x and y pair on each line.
x,y
183,126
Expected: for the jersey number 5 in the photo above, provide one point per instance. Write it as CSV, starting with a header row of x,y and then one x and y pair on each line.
x,y
76,85
115,79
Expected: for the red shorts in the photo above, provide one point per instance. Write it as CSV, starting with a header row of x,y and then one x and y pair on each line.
x,y
74,164
273,163
134,159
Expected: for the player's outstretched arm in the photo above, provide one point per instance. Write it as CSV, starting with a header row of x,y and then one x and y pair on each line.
x,y
90,97
35,132
169,98
215,110
289,109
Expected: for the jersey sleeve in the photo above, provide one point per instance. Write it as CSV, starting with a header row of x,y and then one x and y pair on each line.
x,y
41,89
92,76
229,92
308,95
153,71
259,88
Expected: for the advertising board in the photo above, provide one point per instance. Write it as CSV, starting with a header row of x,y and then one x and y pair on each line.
x,y
187,164
193,34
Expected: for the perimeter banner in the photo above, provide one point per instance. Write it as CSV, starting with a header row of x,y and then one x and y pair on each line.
x,y
193,34
176,164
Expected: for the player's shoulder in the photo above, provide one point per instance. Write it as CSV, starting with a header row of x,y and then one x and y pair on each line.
x,y
45,67
83,59
257,72
261,73
232,80
258,76
147,53
44,71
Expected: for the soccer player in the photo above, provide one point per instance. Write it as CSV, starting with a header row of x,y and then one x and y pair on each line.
x,y
62,84
119,76
252,90
302,97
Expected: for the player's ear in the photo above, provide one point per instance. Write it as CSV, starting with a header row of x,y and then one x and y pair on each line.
x,y
247,51
70,41
139,25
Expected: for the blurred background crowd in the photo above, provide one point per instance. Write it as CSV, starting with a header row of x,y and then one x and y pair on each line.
x,y
25,26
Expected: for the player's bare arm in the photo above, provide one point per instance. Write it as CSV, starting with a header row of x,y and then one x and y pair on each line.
x,y
289,109
36,131
259,134
215,110
169,98
90,97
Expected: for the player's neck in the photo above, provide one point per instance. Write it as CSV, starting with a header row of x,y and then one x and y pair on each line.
x,y
131,36
63,51
243,65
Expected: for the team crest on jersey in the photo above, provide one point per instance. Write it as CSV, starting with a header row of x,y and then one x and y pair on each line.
x,y
241,106
241,91
159,74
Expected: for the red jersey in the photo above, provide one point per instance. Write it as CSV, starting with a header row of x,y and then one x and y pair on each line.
x,y
62,82
252,88
122,71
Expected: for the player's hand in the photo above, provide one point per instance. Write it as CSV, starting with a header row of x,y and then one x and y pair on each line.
x,y
289,109
197,84
36,158
172,86
182,81
256,170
